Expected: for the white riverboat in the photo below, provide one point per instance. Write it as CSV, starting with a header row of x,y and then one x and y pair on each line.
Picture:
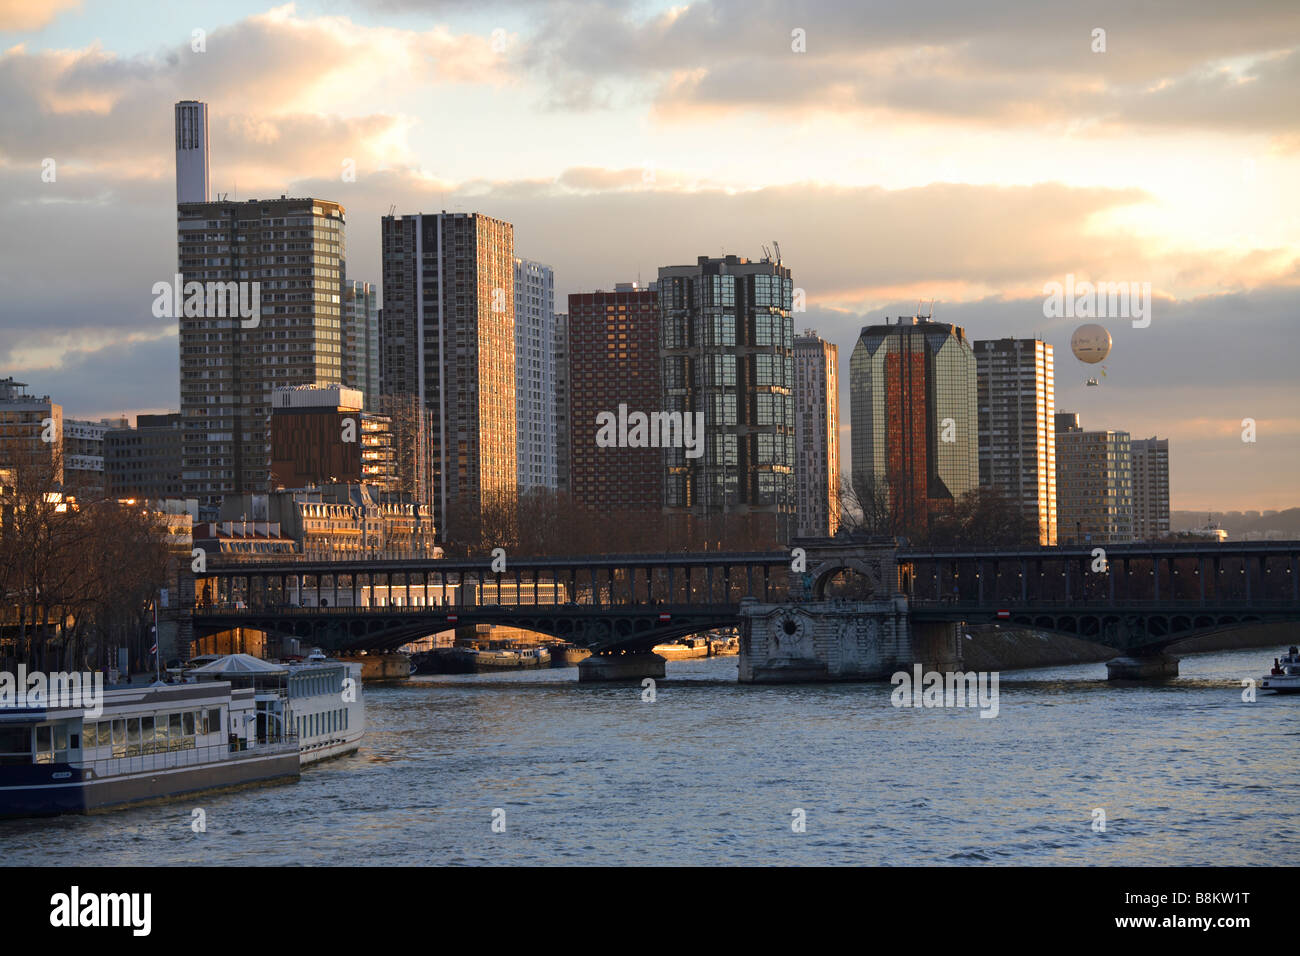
x,y
319,701
145,743
1284,678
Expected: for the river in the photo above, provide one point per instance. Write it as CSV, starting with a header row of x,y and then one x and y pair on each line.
x,y
711,772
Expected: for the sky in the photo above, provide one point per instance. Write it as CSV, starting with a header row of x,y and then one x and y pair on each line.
x,y
934,150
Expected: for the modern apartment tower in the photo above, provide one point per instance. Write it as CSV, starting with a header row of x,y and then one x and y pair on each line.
x,y
448,341
913,398
361,340
613,360
816,436
1017,434
1150,488
535,375
727,347
1094,484
286,259
192,159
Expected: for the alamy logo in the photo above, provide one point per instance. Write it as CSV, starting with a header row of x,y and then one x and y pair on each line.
x,y
74,909
951,689
655,430
208,300
1102,300
58,690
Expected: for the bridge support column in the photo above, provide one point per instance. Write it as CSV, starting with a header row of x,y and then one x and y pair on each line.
x,y
1153,667
936,645
610,666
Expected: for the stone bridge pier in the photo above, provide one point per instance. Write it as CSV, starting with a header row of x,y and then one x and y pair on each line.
x,y
840,640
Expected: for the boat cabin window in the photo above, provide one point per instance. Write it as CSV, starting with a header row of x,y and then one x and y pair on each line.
x,y
15,745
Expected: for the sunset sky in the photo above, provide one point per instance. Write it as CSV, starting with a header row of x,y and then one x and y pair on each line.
x,y
963,152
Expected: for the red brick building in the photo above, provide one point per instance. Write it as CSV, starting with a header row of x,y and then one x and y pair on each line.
x,y
613,358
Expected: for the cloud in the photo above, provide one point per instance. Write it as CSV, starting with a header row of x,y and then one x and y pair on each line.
x,y
1199,65
30,15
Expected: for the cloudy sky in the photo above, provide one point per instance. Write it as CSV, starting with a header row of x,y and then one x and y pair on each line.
x,y
963,152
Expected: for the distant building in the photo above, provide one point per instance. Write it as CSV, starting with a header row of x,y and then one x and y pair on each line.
x,y
448,340
294,249
1017,434
31,431
727,347
320,435
562,393
83,453
535,375
192,159
1094,484
1150,488
613,359
816,436
340,522
361,340
914,410
145,461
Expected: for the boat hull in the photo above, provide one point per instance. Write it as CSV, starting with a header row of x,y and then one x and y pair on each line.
x,y
52,789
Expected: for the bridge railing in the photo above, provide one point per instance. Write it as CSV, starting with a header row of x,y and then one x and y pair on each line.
x,y
1176,604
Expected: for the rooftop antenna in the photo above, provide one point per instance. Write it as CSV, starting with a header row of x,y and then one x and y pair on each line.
x,y
777,246
767,254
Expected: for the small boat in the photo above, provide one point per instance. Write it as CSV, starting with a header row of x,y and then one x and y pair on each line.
x,y
1284,678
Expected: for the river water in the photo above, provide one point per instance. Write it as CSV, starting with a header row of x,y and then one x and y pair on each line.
x,y
711,772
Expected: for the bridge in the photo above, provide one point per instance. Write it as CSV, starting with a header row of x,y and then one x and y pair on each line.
x,y
1140,598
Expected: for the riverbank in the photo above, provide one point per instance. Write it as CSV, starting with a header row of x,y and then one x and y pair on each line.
x,y
999,648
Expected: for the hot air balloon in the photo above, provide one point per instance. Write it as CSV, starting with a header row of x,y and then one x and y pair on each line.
x,y
1090,343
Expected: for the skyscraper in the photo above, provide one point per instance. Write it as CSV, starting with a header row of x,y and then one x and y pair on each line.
x,y
1150,488
361,340
535,375
285,257
913,393
1017,435
1094,483
192,151
727,347
613,359
816,435
448,340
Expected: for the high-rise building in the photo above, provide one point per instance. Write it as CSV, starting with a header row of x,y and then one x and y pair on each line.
x,y
1150,488
727,347
31,432
361,340
1094,484
192,151
535,375
913,394
562,402
448,339
285,259
321,435
816,435
145,461
613,360
1017,434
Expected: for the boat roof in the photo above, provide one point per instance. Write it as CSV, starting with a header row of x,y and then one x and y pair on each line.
x,y
240,664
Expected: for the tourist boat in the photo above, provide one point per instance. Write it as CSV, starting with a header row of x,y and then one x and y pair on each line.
x,y
1284,678
319,701
145,743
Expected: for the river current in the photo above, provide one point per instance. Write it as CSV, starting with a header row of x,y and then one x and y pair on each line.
x,y
713,772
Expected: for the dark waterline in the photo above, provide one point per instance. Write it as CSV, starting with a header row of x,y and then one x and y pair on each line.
x,y
1187,773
